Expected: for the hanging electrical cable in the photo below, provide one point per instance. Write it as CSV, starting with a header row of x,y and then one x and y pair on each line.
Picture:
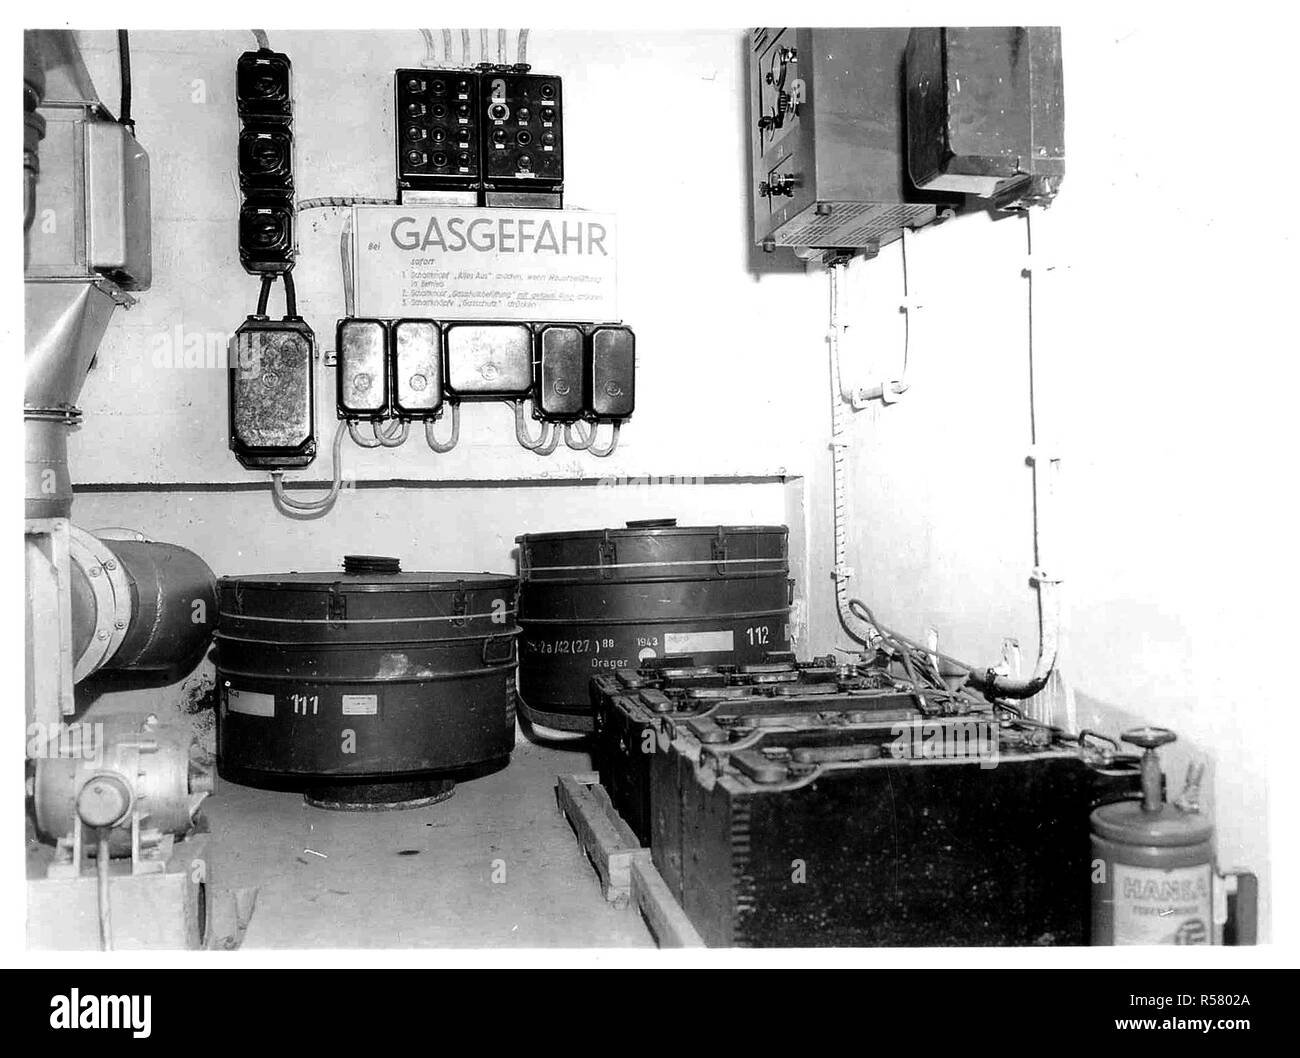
x,y
606,450
354,431
430,59
521,48
521,429
124,66
263,41
501,46
841,571
483,46
578,430
450,443
551,442
465,58
313,508
1046,469
265,295
446,48
392,436
345,264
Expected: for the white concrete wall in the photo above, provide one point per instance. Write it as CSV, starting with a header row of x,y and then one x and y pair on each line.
x,y
716,393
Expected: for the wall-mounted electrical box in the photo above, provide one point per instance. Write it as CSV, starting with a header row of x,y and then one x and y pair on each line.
x,y
560,369
272,393
523,144
264,100
489,136
408,368
986,112
828,165
438,125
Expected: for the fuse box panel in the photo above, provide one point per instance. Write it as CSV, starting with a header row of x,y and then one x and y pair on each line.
x,y
438,131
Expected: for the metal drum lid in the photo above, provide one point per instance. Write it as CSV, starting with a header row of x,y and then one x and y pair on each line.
x,y
368,601
654,549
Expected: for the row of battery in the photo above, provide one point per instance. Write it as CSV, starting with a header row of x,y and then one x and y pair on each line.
x,y
408,368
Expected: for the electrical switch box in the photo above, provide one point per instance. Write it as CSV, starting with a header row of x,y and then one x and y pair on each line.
x,y
986,112
523,140
827,140
560,372
488,361
611,373
266,234
267,218
438,121
266,159
272,394
263,86
417,369
362,375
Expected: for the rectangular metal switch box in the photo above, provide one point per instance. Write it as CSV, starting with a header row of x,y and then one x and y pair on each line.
x,y
560,362
827,139
272,391
416,347
611,379
362,347
986,111
489,360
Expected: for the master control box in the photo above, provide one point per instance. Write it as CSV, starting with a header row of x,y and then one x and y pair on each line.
x,y
828,140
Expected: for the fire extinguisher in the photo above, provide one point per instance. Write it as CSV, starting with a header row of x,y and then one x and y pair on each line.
x,y
1154,876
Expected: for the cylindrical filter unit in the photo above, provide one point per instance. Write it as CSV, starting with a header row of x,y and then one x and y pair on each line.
x,y
366,688
599,600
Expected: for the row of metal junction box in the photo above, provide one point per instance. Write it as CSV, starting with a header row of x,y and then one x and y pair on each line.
x,y
407,368
790,803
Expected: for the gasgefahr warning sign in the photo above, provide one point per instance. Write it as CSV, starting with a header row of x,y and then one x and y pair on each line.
x,y
464,262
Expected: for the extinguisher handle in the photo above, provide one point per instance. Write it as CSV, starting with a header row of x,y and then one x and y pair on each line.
x,y
1242,927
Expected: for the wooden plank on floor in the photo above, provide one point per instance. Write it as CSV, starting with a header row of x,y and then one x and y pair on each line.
x,y
665,917
604,837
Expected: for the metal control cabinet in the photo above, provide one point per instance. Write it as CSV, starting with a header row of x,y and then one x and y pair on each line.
x,y
828,139
986,112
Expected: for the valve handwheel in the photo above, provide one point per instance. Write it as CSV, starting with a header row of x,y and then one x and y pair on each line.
x,y
1149,738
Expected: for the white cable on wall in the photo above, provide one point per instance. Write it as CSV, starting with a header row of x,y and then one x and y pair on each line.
x,y
1046,465
841,572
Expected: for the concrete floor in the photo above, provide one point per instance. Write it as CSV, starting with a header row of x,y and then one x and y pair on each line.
x,y
496,865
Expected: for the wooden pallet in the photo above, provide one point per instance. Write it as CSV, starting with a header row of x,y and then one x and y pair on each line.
x,y
627,873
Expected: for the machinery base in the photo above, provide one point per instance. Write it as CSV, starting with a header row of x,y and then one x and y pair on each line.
x,y
165,909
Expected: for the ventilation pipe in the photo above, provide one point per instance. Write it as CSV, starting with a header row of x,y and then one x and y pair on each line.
x,y
106,601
